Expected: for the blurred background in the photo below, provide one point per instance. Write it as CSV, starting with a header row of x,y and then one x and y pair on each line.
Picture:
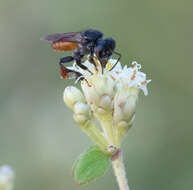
x,y
38,136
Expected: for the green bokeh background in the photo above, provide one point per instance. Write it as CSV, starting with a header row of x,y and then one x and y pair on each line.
x,y
38,136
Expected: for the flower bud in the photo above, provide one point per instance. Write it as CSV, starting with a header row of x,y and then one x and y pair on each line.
x,y
6,178
72,95
105,103
81,113
124,106
99,93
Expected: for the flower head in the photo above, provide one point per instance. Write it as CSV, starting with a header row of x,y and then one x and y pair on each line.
x,y
119,76
112,94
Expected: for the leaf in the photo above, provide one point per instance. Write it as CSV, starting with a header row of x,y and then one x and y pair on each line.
x,y
91,164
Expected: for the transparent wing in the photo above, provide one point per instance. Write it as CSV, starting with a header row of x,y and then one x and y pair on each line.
x,y
64,37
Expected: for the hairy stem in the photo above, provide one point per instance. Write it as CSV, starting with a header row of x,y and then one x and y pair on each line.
x,y
119,170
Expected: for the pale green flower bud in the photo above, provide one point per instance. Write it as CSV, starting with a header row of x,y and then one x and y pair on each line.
x,y
81,113
72,95
124,106
6,178
124,111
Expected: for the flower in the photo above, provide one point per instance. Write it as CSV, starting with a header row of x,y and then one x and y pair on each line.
x,y
111,95
72,95
130,76
6,177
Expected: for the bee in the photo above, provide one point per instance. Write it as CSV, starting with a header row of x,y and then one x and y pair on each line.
x,y
88,42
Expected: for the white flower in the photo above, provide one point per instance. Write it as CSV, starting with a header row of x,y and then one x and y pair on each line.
x,y
6,177
112,95
130,76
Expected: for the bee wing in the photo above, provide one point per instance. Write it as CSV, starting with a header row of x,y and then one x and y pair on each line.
x,y
64,37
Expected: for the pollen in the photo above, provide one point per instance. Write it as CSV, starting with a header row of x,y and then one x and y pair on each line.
x,y
134,75
144,83
109,65
113,77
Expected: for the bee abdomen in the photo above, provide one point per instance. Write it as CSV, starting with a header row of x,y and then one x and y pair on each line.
x,y
64,46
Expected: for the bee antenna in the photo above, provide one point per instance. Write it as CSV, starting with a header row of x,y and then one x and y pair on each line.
x,y
116,53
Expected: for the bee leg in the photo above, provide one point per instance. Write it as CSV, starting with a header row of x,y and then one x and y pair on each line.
x,y
78,62
78,58
89,85
68,73
66,59
63,70
92,61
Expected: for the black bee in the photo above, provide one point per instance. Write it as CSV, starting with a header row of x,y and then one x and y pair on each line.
x,y
88,42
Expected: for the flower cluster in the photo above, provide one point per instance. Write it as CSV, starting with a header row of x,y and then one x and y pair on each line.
x,y
6,178
108,96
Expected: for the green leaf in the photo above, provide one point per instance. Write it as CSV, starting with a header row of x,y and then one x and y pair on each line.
x,y
91,164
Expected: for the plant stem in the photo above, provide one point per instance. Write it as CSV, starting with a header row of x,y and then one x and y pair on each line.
x,y
119,170
93,132
106,124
